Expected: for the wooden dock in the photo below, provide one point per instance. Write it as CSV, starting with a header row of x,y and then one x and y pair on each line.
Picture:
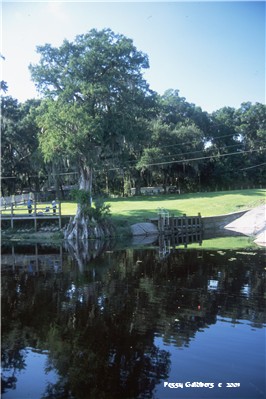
x,y
40,212
173,225
177,230
33,262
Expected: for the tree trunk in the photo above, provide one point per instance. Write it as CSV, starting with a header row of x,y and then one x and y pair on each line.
x,y
138,184
56,184
82,226
85,251
78,227
85,228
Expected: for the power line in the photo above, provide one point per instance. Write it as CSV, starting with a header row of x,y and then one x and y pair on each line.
x,y
197,151
165,163
255,166
190,152
190,142
53,174
127,162
183,153
198,159
195,140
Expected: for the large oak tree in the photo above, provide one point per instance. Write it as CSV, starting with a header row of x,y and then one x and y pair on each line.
x,y
95,100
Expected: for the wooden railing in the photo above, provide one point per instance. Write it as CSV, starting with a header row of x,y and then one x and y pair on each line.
x,y
170,224
38,212
16,200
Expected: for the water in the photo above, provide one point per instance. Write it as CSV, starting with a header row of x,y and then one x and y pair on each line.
x,y
103,322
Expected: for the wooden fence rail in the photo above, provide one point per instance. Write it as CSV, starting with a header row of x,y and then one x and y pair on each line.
x,y
170,224
16,200
39,212
34,262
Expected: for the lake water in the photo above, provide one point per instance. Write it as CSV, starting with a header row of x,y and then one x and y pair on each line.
x,y
113,322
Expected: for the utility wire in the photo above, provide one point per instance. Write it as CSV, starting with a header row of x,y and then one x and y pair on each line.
x,y
160,163
53,174
198,159
161,147
186,153
255,166
192,152
195,140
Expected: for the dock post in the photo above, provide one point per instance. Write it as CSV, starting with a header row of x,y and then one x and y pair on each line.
x,y
12,215
35,216
13,258
60,219
36,258
183,222
199,221
186,224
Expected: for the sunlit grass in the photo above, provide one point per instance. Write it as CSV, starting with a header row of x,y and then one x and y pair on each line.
x,y
138,209
68,208
207,204
226,243
127,211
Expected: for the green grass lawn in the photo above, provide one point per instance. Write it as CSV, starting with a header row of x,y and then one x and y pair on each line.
x,y
226,243
137,209
126,211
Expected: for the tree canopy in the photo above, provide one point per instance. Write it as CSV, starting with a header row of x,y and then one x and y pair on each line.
x,y
95,96
99,118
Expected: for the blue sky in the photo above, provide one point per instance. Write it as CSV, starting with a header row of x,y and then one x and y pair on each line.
x,y
212,52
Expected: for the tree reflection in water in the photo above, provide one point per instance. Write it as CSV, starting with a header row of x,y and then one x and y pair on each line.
x,y
98,312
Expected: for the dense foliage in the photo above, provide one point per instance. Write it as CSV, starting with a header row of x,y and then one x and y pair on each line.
x,y
99,126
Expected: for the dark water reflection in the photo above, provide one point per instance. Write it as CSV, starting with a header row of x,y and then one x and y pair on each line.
x,y
122,323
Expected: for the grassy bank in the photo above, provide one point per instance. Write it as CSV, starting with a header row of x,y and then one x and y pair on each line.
x,y
32,237
137,209
226,243
127,211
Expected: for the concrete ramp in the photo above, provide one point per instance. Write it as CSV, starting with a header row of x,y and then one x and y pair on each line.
x,y
261,238
144,240
252,223
143,229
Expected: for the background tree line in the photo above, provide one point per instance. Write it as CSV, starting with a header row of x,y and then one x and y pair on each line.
x,y
99,124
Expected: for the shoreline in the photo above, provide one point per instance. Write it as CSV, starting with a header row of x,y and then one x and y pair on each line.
x,y
249,223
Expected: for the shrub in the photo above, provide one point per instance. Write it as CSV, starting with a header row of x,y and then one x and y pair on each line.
x,y
97,210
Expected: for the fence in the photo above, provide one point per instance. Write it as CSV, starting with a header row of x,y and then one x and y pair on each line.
x,y
168,224
168,243
38,212
34,262
5,202
156,190
177,230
